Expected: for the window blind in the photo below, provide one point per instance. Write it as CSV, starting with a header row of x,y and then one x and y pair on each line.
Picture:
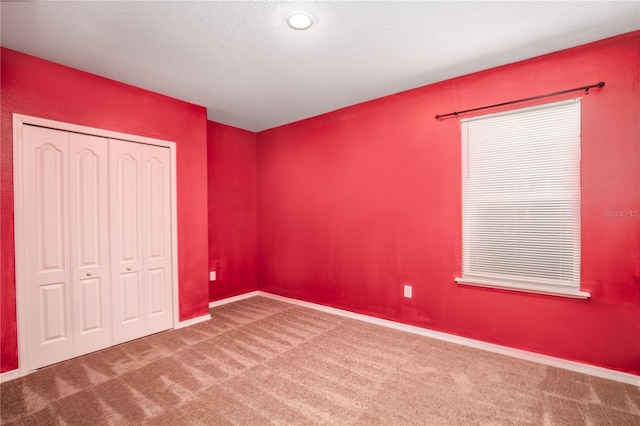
x,y
521,198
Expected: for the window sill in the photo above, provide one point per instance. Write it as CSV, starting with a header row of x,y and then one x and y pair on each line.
x,y
547,290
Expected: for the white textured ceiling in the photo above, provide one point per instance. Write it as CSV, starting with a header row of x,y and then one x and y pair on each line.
x,y
242,62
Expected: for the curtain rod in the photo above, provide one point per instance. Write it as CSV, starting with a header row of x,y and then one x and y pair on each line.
x,y
585,88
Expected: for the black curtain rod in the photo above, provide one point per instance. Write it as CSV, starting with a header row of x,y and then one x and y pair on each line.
x,y
585,88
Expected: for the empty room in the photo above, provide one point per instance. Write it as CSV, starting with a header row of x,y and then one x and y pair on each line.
x,y
320,212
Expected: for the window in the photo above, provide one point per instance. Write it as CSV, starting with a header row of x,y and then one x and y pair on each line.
x,y
521,200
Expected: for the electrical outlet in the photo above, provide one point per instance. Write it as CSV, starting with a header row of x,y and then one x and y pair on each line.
x,y
408,291
212,275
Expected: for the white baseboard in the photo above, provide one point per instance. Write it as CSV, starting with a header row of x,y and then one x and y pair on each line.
x,y
491,347
193,321
9,375
233,299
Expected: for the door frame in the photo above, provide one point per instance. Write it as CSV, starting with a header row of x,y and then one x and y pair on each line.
x,y
19,121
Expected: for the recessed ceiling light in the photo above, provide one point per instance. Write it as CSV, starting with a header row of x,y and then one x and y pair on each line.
x,y
300,20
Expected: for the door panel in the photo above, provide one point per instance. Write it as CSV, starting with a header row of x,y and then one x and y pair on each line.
x,y
46,242
125,164
49,186
129,298
53,326
91,307
157,302
86,183
89,230
154,177
128,181
157,241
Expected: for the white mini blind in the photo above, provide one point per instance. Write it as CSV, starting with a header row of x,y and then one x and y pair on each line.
x,y
521,199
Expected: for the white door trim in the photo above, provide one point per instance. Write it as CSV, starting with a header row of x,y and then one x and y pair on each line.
x,y
19,121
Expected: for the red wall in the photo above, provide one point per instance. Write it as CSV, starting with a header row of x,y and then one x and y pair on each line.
x,y
232,210
40,88
355,203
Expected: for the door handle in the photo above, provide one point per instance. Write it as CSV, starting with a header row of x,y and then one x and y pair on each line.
x,y
128,268
89,274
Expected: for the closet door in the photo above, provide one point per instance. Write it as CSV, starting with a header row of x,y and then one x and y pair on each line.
x,y
95,242
126,167
46,242
89,219
157,238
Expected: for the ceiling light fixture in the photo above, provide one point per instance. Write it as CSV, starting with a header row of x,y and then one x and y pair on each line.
x,y
300,20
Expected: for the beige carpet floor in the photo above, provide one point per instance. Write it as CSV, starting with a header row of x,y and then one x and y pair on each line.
x,y
261,361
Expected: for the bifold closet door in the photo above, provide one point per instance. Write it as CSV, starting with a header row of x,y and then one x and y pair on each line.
x,y
89,242
65,244
156,248
140,239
